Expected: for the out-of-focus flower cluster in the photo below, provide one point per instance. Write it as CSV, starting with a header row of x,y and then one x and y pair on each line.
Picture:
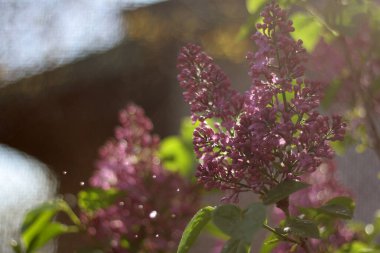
x,y
324,186
157,204
270,133
351,69
353,61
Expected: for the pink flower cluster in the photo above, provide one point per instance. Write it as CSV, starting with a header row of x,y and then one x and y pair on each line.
x,y
157,203
270,133
324,186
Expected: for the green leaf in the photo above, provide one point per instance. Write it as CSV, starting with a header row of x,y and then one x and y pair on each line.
x,y
194,227
235,246
253,220
35,221
39,214
49,232
307,29
215,231
253,6
38,227
342,207
175,156
227,218
239,224
303,228
283,190
92,199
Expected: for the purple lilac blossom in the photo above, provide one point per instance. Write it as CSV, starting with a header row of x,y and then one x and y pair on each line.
x,y
272,132
324,186
157,203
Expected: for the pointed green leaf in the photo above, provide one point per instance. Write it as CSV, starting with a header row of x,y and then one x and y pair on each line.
x,y
283,190
239,224
44,211
342,207
35,221
194,227
235,246
49,232
303,228
38,227
227,218
212,229
253,220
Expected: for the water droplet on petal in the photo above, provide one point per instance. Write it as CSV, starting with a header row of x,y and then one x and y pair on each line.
x,y
157,235
121,203
140,206
14,243
178,189
154,176
136,236
153,214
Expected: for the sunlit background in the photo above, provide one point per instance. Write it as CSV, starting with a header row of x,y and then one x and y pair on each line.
x,y
36,35
24,182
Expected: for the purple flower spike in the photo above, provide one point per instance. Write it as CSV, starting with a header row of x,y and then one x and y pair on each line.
x,y
207,88
273,131
157,203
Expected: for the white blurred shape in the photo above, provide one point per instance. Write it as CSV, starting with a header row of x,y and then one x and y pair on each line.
x,y
24,183
40,34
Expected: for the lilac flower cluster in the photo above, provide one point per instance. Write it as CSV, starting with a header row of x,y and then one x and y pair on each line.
x,y
351,63
324,186
270,133
157,203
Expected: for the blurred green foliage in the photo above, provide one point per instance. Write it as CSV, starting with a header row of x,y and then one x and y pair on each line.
x,y
39,226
